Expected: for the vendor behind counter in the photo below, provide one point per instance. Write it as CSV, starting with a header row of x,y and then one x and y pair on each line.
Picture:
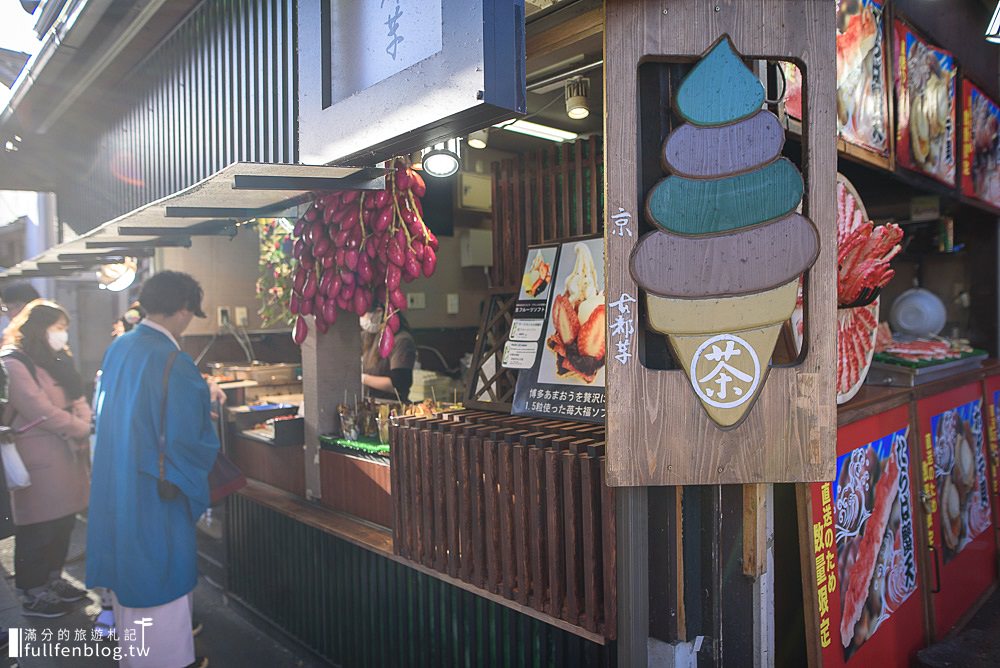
x,y
385,378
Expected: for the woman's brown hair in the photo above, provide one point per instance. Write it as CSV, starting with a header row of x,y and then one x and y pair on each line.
x,y
28,330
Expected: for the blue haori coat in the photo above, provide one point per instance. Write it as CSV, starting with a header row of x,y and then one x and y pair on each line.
x,y
138,545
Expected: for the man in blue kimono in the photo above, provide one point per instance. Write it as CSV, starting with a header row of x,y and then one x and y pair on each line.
x,y
141,523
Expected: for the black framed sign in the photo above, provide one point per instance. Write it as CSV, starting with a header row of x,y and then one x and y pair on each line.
x,y
557,338
387,77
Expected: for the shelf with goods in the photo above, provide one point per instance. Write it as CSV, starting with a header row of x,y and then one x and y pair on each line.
x,y
930,538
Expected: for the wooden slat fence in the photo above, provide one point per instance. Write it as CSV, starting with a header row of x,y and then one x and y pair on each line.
x,y
514,505
555,194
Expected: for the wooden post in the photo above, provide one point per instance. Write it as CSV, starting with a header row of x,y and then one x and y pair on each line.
x,y
763,586
754,530
632,524
810,606
331,366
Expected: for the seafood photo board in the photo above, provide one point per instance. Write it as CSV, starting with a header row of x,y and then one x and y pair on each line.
x,y
862,77
991,395
955,486
558,334
925,80
678,351
980,145
861,552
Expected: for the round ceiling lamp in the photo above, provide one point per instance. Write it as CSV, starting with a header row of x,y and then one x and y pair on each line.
x,y
117,277
442,160
576,91
478,139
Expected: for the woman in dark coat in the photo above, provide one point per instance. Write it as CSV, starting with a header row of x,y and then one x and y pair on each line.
x,y
46,391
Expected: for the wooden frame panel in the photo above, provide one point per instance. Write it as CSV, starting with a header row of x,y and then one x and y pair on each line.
x,y
663,436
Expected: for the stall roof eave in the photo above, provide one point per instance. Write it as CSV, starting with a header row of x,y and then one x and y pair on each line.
x,y
215,206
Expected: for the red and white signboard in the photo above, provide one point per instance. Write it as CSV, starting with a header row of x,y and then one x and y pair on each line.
x,y
956,491
864,556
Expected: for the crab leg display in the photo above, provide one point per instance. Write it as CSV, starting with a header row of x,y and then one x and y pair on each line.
x,y
864,566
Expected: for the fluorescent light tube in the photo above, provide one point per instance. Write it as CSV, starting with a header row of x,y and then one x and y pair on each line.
x,y
993,30
538,130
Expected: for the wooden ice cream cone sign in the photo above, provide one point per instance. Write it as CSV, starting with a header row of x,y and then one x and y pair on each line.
x,y
721,270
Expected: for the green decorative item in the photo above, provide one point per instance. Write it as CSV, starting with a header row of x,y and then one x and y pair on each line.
x,y
274,284
720,89
371,446
709,206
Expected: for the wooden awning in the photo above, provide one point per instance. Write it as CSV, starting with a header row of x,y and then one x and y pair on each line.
x,y
238,193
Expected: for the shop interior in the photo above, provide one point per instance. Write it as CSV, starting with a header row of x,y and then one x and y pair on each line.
x,y
482,216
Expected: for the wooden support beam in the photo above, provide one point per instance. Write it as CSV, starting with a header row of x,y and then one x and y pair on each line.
x,y
754,530
331,368
565,34
633,575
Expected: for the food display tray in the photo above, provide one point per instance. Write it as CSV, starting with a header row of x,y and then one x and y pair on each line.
x,y
898,375
280,433
265,374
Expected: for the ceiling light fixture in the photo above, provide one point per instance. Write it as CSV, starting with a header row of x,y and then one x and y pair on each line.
x,y
993,29
576,92
478,139
538,130
443,159
117,277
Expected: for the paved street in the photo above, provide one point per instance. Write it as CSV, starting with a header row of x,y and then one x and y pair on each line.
x,y
230,638
977,646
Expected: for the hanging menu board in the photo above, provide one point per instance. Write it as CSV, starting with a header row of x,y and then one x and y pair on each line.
x,y
862,91
557,338
925,107
980,145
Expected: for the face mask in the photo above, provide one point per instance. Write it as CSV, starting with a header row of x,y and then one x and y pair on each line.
x,y
58,338
370,324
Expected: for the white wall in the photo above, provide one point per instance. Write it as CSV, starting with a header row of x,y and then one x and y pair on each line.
x,y
469,283
227,271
